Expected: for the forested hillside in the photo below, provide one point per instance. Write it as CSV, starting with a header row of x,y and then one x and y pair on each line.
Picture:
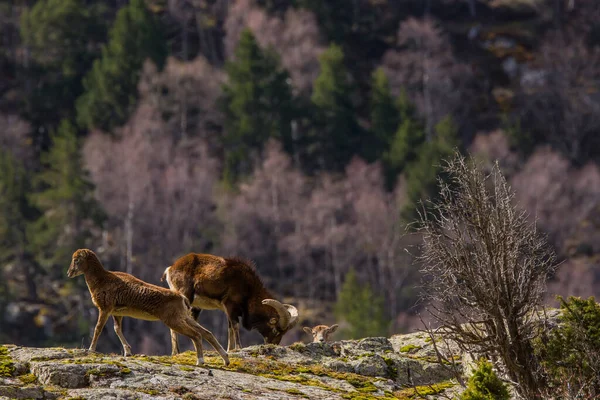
x,y
300,134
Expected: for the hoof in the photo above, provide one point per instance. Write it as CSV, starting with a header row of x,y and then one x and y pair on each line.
x,y
200,362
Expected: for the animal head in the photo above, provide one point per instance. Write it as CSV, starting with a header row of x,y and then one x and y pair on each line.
x,y
321,333
274,329
79,262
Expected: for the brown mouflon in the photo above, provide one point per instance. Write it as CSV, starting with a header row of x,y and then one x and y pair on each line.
x,y
123,295
321,333
232,285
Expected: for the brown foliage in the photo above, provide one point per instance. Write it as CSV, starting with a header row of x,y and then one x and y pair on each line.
x,y
563,108
424,65
166,185
185,95
294,36
560,196
307,234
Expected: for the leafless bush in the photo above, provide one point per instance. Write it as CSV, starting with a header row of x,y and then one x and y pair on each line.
x,y
486,267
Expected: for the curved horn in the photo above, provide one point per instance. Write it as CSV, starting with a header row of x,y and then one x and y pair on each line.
x,y
293,315
288,314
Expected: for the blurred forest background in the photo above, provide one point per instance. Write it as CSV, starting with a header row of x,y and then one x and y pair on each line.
x,y
300,134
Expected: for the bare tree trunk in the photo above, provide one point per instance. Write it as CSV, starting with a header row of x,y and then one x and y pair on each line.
x,y
129,238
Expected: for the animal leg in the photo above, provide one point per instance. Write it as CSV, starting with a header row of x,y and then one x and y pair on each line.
x,y
102,318
118,324
236,330
233,342
174,343
185,327
210,338
230,336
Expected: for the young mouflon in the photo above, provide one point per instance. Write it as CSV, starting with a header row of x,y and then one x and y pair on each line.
x,y
123,295
321,333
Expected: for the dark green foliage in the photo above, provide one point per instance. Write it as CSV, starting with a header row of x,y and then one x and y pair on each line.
x,y
336,17
519,139
571,352
63,37
257,103
65,198
385,116
111,85
361,308
13,204
59,33
422,175
406,143
15,213
484,384
336,133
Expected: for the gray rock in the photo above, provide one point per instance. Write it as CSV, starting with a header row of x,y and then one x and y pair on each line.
x,y
339,365
14,392
375,344
63,375
372,366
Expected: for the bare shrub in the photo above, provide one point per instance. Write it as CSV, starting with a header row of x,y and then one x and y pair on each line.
x,y
486,267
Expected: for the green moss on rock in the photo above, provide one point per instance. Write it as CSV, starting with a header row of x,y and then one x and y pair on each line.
x,y
7,366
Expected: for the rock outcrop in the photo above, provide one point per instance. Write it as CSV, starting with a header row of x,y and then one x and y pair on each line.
x,y
401,367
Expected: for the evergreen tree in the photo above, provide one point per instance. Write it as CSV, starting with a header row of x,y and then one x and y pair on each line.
x,y
15,211
337,135
65,199
59,32
406,142
423,173
111,85
385,116
62,36
361,308
484,384
257,104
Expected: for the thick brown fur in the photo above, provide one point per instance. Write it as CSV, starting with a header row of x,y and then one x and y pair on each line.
x,y
230,284
123,295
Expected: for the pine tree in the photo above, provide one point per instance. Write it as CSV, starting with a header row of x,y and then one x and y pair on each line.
x,y
59,32
337,135
423,173
406,142
257,103
65,199
385,116
111,85
361,309
62,36
15,212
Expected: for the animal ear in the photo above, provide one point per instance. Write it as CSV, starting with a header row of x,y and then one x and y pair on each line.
x,y
272,321
307,330
333,328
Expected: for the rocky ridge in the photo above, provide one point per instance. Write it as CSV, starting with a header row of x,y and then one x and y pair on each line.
x,y
401,367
